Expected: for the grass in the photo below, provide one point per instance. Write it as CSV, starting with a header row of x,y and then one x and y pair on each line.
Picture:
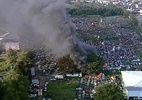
x,y
58,90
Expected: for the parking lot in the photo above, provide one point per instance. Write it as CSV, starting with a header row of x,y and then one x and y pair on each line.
x,y
85,90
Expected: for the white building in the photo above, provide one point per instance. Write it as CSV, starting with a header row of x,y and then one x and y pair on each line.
x,y
12,45
132,83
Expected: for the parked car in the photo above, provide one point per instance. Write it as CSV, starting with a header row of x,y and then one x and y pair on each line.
x,y
45,88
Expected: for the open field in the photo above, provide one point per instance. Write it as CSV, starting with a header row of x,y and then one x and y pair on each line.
x,y
58,90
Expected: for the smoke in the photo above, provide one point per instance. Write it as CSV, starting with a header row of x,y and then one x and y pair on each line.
x,y
39,22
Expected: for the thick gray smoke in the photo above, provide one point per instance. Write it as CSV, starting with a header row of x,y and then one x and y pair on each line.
x,y
38,22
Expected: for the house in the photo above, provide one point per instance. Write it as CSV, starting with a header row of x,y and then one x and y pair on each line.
x,y
132,83
11,45
3,33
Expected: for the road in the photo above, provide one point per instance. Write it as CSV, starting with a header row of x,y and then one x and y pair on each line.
x,y
42,80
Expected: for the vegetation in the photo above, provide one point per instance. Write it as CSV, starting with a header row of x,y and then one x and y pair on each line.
x,y
109,10
15,86
62,90
94,64
23,62
15,89
66,65
139,54
1,48
4,64
109,92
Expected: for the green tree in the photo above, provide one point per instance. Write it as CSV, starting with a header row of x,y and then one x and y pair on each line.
x,y
2,91
109,92
16,89
23,62
11,55
1,48
94,64
94,67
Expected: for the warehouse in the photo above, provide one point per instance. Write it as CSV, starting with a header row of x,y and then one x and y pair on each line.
x,y
132,83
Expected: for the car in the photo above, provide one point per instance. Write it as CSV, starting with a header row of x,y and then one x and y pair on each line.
x,y
33,95
53,79
79,97
91,95
40,92
45,85
79,88
45,88
87,94
35,84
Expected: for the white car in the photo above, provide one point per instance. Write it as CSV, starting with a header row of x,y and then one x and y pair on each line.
x,y
53,79
45,85
33,95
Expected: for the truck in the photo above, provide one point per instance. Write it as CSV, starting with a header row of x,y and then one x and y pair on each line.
x,y
59,77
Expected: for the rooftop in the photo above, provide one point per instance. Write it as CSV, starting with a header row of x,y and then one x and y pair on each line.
x,y
132,79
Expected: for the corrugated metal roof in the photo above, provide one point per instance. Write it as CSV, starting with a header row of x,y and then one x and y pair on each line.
x,y
132,79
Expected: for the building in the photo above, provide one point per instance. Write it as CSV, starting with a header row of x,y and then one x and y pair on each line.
x,y
3,33
8,40
12,45
132,83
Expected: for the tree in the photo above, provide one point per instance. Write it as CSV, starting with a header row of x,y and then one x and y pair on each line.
x,y
16,89
134,20
11,55
2,91
94,64
109,91
1,48
94,67
66,64
23,62
109,10
14,85
91,58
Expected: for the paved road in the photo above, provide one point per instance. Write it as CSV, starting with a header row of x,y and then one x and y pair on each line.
x,y
42,80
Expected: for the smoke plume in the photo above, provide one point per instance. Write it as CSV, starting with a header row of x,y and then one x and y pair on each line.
x,y
39,22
